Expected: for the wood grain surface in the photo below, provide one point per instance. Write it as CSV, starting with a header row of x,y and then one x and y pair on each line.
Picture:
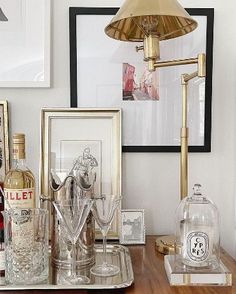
x,y
150,276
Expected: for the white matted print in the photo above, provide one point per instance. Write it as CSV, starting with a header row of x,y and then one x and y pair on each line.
x,y
146,122
150,125
25,43
132,229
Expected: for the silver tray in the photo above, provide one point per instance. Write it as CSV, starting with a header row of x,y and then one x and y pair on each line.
x,y
116,254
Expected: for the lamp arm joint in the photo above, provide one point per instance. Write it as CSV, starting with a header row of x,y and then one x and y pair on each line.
x,y
176,62
185,78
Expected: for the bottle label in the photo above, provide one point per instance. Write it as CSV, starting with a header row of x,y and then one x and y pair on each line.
x,y
2,260
198,246
20,198
18,151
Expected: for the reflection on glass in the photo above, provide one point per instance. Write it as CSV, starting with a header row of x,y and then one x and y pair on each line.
x,y
72,215
104,210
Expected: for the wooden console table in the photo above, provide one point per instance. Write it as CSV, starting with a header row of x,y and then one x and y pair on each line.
x,y
150,276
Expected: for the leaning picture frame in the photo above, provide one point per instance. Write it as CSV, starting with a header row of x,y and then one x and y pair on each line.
x,y
25,44
132,226
4,140
149,125
88,136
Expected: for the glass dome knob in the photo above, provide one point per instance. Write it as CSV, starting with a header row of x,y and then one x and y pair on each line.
x,y
197,189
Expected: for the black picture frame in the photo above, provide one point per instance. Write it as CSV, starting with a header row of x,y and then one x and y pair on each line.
x,y
209,13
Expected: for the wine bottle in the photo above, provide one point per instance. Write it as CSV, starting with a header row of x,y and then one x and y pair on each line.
x,y
19,183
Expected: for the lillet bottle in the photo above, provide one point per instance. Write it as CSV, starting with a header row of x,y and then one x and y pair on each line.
x,y
19,183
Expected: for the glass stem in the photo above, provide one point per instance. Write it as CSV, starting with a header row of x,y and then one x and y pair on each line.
x,y
105,249
73,256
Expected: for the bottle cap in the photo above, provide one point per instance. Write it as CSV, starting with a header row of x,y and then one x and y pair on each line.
x,y
19,138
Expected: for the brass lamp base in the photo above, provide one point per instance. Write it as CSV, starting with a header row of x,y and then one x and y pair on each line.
x,y
166,244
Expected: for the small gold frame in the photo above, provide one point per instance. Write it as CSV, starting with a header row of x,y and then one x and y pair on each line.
x,y
72,116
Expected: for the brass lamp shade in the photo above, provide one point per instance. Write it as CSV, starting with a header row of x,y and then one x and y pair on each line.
x,y
139,18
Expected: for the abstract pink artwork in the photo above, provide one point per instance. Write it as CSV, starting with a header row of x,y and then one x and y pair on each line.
x,y
139,83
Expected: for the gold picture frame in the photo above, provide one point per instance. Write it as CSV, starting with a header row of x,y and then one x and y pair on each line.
x,y
4,140
73,126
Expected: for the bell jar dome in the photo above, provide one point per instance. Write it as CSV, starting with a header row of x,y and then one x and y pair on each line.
x,y
197,232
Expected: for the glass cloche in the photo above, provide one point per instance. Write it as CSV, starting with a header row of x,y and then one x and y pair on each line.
x,y
197,232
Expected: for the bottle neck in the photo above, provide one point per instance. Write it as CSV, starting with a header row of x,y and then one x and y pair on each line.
x,y
18,152
19,161
19,164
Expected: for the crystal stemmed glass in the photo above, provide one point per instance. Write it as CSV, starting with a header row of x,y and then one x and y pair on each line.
x,y
103,210
73,215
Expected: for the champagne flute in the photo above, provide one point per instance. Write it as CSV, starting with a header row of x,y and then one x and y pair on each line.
x,y
73,214
103,210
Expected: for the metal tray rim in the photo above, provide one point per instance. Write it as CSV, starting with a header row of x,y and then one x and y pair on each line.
x,y
45,286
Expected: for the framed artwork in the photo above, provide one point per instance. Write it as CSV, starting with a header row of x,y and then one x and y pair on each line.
x,y
25,43
4,140
132,228
108,73
90,147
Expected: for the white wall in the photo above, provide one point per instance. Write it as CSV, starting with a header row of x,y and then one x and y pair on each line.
x,y
150,180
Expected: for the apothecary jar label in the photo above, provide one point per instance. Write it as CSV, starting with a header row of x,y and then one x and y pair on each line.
x,y
198,246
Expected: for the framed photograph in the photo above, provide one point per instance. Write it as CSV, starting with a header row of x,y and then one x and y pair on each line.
x,y
90,137
25,43
4,140
110,73
132,228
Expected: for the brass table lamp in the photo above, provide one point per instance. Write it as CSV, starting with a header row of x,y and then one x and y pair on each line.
x,y
165,244
150,22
